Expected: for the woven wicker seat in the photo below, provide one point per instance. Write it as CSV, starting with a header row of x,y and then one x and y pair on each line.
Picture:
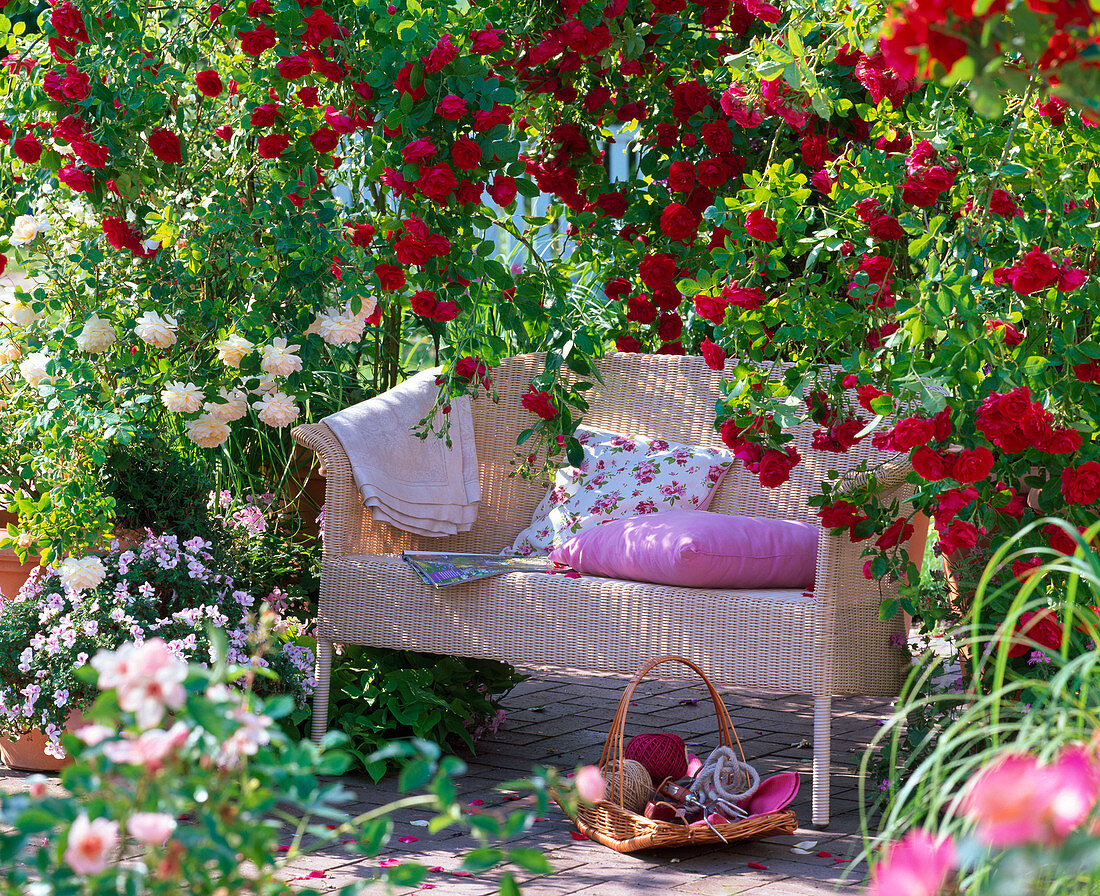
x,y
827,643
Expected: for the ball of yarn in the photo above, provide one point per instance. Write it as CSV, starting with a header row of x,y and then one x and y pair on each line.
x,y
663,755
637,785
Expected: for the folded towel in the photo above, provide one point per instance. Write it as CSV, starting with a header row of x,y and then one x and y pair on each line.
x,y
418,485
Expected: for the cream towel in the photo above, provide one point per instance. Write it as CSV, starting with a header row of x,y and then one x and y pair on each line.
x,y
418,485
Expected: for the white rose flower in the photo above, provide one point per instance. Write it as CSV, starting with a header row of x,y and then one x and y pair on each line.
x,y
82,574
232,349
234,406
25,229
9,352
336,327
20,313
98,335
277,409
33,368
182,398
207,431
156,330
265,384
279,359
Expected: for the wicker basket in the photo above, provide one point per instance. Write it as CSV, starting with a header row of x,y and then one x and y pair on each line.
x,y
613,826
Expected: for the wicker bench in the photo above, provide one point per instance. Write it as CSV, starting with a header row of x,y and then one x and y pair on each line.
x,y
827,643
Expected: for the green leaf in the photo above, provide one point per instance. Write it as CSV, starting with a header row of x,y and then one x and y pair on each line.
x,y
482,858
508,885
531,859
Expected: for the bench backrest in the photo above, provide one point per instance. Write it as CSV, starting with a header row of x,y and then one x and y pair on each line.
x,y
642,395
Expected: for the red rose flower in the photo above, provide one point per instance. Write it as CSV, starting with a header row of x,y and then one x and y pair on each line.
x,y
390,277
451,107
896,533
840,515
307,96
669,327
293,67
658,270
973,465
75,178
616,288
76,84
441,54
751,298
486,40
437,182
503,190
759,227
361,234
272,146
258,8
930,465
886,227
324,139
257,40
28,149
466,154
225,132
319,27
713,173
776,465
264,116
1002,203
469,192
867,393
910,432
681,176
484,119
1040,627
611,205
165,146
1023,570
713,354
622,344
679,223
208,82
713,308
1081,484
640,310
717,137
69,23
958,536
540,403
403,82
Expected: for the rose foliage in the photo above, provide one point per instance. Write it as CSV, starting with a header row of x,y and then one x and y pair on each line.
x,y
242,193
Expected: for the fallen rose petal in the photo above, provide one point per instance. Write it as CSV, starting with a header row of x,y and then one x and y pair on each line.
x,y
283,848
577,835
427,886
347,842
824,855
540,818
436,868
408,839
512,799
758,866
389,863
476,803
464,874
572,575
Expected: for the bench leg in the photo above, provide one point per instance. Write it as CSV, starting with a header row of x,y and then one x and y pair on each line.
x,y
822,731
320,693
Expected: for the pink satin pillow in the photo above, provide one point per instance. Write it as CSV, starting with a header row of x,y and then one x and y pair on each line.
x,y
697,549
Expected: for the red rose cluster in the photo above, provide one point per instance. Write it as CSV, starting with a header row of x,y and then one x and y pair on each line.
x,y
1037,271
1014,423
771,465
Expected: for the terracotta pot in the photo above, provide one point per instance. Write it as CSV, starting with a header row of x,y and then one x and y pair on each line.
x,y
13,573
28,754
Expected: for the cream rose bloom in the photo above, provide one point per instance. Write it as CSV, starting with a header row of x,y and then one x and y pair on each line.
x,y
233,407
33,368
336,327
264,385
207,431
182,398
279,359
277,409
232,350
20,313
9,352
25,229
83,573
156,330
98,335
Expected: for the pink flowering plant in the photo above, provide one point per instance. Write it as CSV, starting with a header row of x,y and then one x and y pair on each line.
x,y
162,589
183,780
1004,796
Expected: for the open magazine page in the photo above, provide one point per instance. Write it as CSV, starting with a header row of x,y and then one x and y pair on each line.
x,y
442,569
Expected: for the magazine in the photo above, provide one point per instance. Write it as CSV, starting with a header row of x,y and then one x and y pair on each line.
x,y
442,569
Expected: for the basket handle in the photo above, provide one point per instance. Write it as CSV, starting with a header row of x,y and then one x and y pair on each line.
x,y
613,746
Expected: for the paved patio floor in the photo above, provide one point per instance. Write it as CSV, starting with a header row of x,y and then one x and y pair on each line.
x,y
562,719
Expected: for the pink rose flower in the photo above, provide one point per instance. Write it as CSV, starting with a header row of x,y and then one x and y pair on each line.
x,y
90,844
918,865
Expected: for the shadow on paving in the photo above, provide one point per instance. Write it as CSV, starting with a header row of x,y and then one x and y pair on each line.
x,y
562,719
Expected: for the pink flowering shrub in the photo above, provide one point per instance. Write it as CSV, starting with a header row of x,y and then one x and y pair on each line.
x,y
184,782
160,589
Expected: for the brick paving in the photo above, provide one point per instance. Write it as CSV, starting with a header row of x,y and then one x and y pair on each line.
x,y
562,719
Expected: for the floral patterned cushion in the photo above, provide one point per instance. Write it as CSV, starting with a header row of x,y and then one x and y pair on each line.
x,y
622,477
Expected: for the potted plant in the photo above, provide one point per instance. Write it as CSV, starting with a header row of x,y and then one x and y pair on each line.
x,y
165,588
